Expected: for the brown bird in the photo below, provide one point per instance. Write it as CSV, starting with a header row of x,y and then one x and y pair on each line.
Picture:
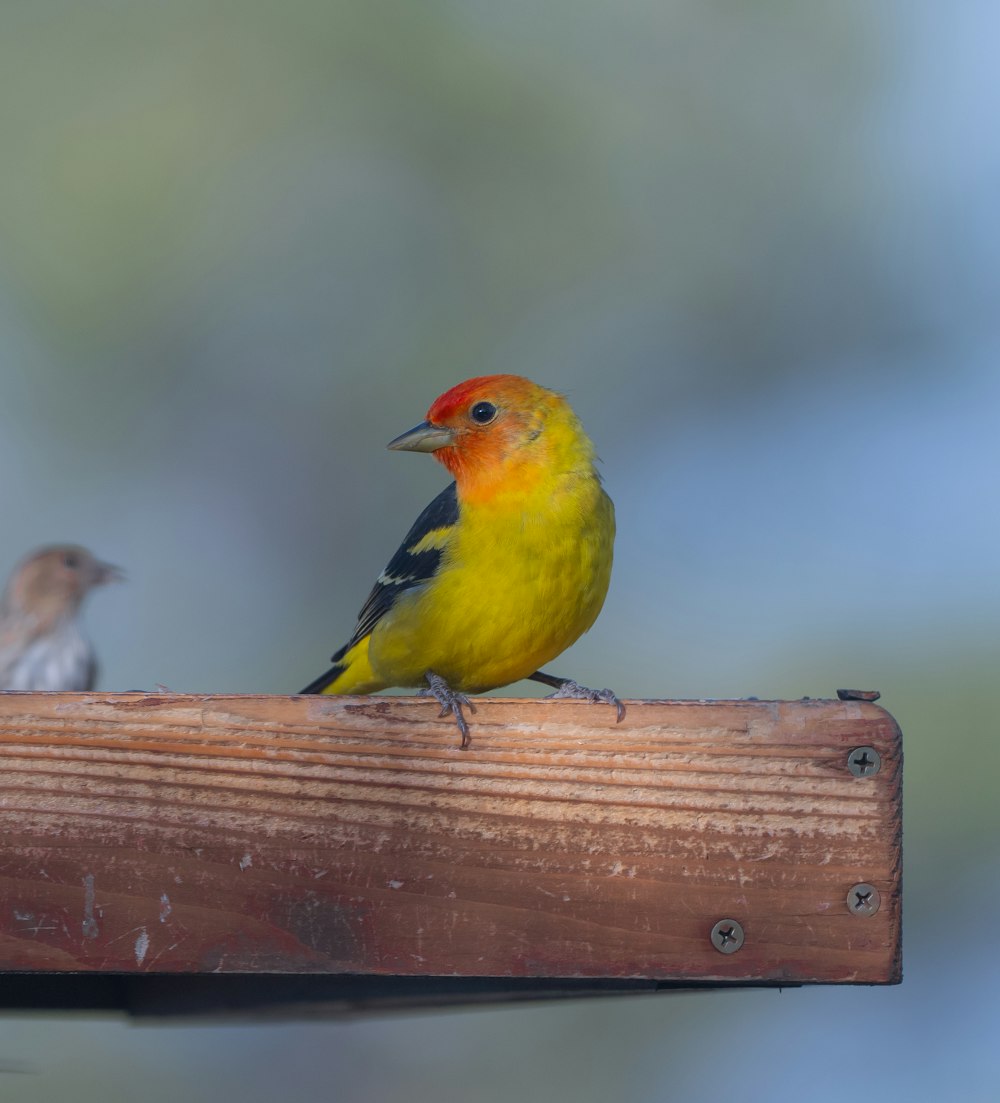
x,y
42,644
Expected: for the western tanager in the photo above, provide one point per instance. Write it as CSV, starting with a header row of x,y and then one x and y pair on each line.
x,y
42,646
505,569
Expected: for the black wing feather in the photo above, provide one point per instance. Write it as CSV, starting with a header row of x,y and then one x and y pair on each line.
x,y
406,569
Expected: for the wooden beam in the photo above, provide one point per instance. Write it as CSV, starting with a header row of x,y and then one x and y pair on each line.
x,y
350,838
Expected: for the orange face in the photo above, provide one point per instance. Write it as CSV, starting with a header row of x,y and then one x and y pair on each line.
x,y
484,421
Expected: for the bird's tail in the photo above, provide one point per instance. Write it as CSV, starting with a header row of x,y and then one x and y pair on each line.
x,y
319,685
351,673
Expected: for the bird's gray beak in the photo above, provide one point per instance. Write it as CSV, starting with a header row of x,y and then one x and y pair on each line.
x,y
108,572
423,438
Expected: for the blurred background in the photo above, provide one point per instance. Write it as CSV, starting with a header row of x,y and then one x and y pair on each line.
x,y
244,245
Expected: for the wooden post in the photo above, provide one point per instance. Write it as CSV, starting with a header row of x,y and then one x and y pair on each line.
x,y
157,848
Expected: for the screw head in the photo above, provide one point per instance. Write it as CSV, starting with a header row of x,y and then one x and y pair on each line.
x,y
727,936
864,762
863,899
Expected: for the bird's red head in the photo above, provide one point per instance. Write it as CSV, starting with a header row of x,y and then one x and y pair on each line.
x,y
491,426
457,408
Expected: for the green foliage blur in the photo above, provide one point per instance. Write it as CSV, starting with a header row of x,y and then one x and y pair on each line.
x,y
243,245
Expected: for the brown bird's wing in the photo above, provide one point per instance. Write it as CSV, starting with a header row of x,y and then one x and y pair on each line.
x,y
17,633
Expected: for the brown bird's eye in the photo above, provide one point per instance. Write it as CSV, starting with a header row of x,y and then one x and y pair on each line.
x,y
483,413
71,560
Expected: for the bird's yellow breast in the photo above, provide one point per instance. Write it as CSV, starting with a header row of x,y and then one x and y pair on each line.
x,y
523,574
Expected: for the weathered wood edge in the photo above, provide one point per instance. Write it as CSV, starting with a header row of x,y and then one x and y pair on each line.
x,y
282,994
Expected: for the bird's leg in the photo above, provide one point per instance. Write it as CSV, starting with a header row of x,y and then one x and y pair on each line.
x,y
566,687
450,701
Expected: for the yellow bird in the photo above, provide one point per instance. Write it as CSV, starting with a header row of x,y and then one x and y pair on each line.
x,y
505,568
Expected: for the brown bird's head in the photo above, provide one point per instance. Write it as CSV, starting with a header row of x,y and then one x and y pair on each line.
x,y
50,583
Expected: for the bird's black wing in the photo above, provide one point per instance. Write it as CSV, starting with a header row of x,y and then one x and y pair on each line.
x,y
407,568
410,566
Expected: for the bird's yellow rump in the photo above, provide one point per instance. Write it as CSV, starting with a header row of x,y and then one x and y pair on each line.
x,y
506,568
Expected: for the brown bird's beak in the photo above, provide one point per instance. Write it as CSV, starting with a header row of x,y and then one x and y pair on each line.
x,y
107,572
423,438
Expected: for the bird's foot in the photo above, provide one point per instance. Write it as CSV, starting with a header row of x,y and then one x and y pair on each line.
x,y
450,701
568,688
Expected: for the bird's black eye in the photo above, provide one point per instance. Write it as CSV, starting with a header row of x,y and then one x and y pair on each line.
x,y
71,561
483,413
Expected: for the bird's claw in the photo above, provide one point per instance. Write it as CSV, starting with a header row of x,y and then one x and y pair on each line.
x,y
450,701
575,691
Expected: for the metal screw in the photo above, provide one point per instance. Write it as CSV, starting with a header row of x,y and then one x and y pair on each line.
x,y
863,899
864,761
727,936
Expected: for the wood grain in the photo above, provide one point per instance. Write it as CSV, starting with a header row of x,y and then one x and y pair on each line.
x,y
210,834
